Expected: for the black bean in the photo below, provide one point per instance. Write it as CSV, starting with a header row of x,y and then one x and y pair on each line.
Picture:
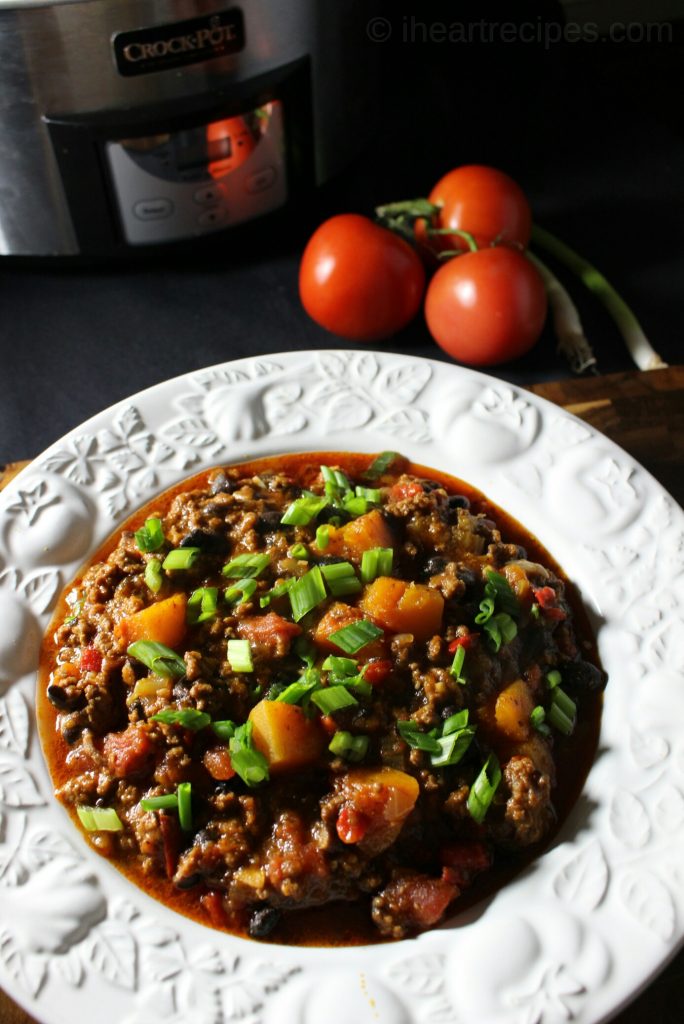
x,y
263,921
221,484
582,675
467,577
328,513
189,881
429,485
208,541
435,565
269,520
64,701
224,786
455,501
330,560
71,733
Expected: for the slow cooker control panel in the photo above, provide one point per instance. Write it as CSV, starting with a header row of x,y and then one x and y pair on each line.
x,y
194,181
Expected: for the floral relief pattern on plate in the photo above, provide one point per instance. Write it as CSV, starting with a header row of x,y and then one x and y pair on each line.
x,y
570,939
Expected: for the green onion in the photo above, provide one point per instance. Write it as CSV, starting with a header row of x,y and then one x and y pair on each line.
x,y
240,656
159,658
322,537
500,629
248,763
299,551
153,575
188,718
306,593
562,712
535,612
246,566
240,591
453,746
456,669
500,589
223,729
380,465
483,789
76,609
486,611
202,605
538,720
352,748
340,666
455,723
303,510
341,579
553,679
150,537
296,692
181,558
160,803
278,591
409,731
99,819
376,562
356,635
184,793
305,650
333,698
372,494
354,506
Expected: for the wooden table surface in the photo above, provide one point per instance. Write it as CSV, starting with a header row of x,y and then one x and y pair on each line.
x,y
644,414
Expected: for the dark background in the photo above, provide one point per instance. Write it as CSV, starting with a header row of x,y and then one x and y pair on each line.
x,y
592,131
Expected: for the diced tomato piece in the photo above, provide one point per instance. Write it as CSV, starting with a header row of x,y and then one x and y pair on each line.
x,y
546,598
212,903
271,632
337,617
377,671
217,762
463,641
328,724
91,660
352,825
129,753
171,838
409,489
465,860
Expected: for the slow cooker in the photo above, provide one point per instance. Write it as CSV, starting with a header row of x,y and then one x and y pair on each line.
x,y
130,123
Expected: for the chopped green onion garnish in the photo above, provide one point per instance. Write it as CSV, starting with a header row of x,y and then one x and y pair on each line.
x,y
456,669
354,506
240,656
240,591
454,723
305,650
99,819
535,612
356,635
340,666
322,537
150,537
452,747
188,718
372,494
483,789
76,609
380,465
500,629
153,575
352,748
303,510
184,793
160,803
500,589
278,591
306,593
202,605
553,679
538,720
248,763
333,698
181,558
299,551
376,562
486,611
562,712
224,729
246,566
409,731
296,692
159,658
341,579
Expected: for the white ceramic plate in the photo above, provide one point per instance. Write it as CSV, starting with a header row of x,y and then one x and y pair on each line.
x,y
574,937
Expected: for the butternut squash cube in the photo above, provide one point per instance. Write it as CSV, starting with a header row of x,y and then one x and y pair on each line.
x,y
285,736
163,621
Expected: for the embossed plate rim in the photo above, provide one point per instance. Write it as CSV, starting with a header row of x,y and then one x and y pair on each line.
x,y
74,935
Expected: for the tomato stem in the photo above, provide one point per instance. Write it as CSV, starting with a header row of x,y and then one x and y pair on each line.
x,y
466,235
640,349
407,208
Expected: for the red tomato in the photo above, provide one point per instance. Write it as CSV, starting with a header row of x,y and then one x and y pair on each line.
x,y
359,280
486,307
486,203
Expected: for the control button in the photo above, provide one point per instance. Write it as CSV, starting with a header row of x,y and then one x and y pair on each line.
x,y
208,194
261,180
210,217
153,209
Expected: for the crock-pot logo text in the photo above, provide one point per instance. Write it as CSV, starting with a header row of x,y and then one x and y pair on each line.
x,y
183,42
